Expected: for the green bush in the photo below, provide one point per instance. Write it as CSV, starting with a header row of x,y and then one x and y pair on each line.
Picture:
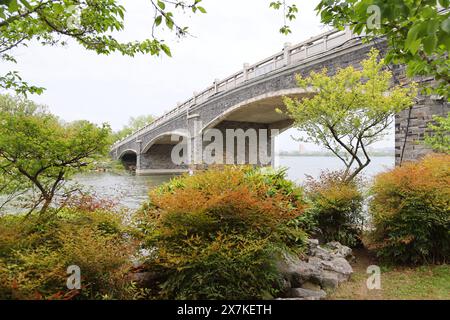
x,y
411,212
217,234
35,254
335,213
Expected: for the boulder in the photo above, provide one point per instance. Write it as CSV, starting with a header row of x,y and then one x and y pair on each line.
x,y
296,271
311,286
324,268
340,250
307,294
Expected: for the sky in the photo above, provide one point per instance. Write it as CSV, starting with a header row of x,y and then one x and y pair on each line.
x,y
83,85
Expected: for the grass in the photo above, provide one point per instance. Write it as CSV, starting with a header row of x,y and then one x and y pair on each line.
x,y
397,283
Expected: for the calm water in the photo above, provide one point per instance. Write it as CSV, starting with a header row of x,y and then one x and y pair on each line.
x,y
298,167
131,191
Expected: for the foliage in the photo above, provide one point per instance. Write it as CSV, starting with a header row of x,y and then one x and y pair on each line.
x,y
411,212
349,110
35,255
134,124
439,139
216,235
93,24
417,31
336,208
39,152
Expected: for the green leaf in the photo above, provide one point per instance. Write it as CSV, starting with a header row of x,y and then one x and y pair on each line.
x,y
169,22
162,5
158,20
201,9
166,50
13,6
26,4
429,44
411,42
445,25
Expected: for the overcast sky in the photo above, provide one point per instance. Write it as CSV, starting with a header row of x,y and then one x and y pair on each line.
x,y
83,85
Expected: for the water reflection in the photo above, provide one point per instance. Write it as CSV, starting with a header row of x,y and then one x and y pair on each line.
x,y
129,190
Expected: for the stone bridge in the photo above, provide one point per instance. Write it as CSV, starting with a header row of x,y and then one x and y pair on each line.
x,y
249,99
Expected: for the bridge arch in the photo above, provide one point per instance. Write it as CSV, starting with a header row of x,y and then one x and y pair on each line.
x,y
157,155
128,158
249,128
260,109
165,138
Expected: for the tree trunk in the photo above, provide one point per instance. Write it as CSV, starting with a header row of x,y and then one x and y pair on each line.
x,y
45,206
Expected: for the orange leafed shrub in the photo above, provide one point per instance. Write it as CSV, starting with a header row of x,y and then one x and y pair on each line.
x,y
215,234
411,211
35,254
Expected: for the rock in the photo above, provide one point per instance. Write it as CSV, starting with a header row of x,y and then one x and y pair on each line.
x,y
307,294
311,286
321,253
297,271
286,286
312,243
340,250
332,272
324,268
338,265
328,280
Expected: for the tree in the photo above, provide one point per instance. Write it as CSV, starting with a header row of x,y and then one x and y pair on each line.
x,y
350,110
417,32
439,139
92,23
134,124
38,152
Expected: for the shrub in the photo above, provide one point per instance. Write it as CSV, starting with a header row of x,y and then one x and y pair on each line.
x,y
336,208
411,212
217,234
35,254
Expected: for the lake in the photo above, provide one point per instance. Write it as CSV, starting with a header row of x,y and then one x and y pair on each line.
x,y
131,191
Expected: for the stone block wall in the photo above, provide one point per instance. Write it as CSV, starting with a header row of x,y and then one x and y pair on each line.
x,y
411,128
159,157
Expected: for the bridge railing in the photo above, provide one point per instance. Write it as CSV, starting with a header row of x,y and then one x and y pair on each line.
x,y
289,55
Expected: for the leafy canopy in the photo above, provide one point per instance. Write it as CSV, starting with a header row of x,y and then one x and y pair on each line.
x,y
94,24
417,31
350,110
39,153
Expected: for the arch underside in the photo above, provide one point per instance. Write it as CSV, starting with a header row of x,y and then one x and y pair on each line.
x,y
129,159
260,121
157,158
262,110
